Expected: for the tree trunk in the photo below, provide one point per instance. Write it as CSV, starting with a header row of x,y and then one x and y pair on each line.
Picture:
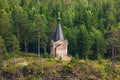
x,y
113,50
27,47
25,44
44,49
18,35
113,56
38,44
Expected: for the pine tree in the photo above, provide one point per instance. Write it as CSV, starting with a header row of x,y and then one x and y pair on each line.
x,y
83,42
21,25
98,43
71,35
6,32
2,46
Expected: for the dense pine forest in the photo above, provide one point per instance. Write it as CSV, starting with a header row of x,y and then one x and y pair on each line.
x,y
92,27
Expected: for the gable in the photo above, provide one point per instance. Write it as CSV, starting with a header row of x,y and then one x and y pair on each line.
x,y
62,46
61,42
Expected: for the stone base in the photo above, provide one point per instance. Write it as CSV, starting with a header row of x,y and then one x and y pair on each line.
x,y
66,58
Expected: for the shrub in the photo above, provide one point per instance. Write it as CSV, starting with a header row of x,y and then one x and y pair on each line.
x,y
46,55
73,60
22,78
59,61
99,58
26,70
77,56
8,55
67,70
31,55
31,77
102,73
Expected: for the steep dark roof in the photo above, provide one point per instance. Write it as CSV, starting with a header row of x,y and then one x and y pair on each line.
x,y
58,33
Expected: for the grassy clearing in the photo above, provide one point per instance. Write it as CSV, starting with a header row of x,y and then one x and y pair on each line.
x,y
30,67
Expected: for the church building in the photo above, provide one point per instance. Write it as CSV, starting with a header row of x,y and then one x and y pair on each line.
x,y
59,44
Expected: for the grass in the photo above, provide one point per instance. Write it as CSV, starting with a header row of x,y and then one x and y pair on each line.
x,y
39,68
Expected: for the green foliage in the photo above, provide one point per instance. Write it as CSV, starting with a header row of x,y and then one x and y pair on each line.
x,y
2,46
29,55
8,55
99,58
12,44
59,60
86,25
77,56
4,5
102,73
72,39
98,43
46,55
84,42
75,59
67,69
51,69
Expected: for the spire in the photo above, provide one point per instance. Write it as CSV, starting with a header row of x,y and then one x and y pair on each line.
x,y
58,33
59,19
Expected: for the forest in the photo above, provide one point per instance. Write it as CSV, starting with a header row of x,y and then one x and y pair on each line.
x,y
92,27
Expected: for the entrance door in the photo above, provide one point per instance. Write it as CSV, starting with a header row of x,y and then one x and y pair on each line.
x,y
61,53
